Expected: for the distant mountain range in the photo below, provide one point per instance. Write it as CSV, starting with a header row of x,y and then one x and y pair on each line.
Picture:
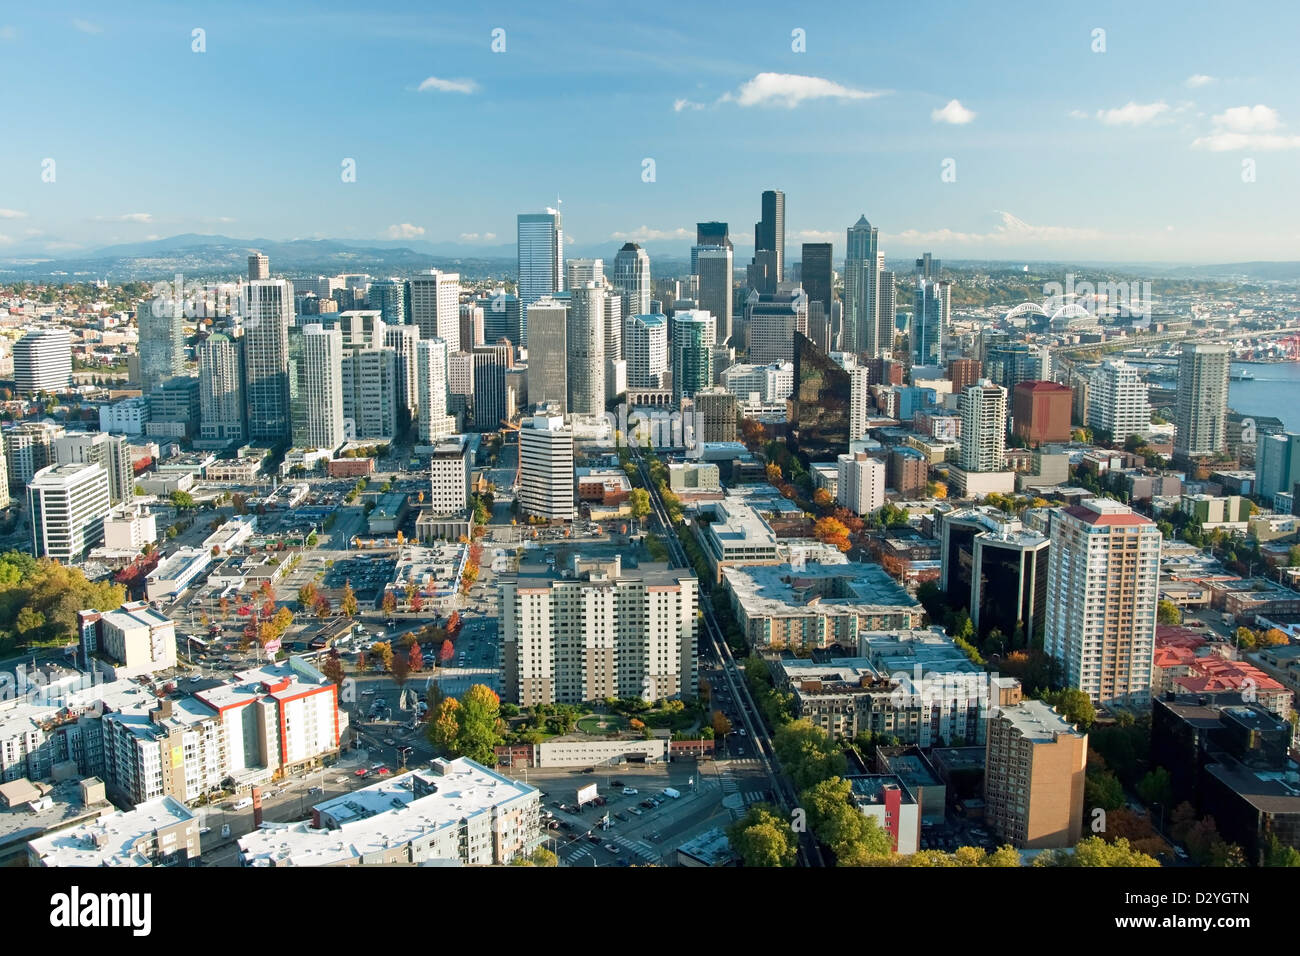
x,y
217,256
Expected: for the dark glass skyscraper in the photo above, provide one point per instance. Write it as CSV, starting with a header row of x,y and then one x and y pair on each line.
x,y
819,405
818,274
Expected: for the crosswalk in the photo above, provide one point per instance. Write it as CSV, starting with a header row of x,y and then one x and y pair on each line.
x,y
634,851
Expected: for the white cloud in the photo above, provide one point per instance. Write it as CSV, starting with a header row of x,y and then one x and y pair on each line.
x,y
475,236
1011,229
646,234
814,235
5,240
791,89
12,214
1197,80
85,26
953,113
405,231
8,33
127,217
1133,114
448,86
1247,127
1248,119
569,240
1077,114
679,105
152,237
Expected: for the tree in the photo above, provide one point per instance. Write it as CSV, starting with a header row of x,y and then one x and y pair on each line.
x,y
721,725
471,727
400,668
446,651
444,729
348,603
322,606
853,837
1101,789
307,594
832,531
1094,851
822,499
761,838
182,500
332,668
1156,787
1075,705
453,624
416,658
383,650
389,603
640,501
1167,612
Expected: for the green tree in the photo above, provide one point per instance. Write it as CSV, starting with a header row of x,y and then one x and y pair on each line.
x,y
640,502
1075,705
182,500
1094,851
1156,787
853,837
761,838
1167,612
1101,789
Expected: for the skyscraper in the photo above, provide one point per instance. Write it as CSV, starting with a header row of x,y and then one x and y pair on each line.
x,y
435,307
490,405
927,268
370,393
546,468
586,350
268,316
930,315
820,404
160,326
578,272
259,267
817,274
1117,400
1103,576
769,233
502,318
771,321
715,266
404,339
316,357
389,297
886,308
632,278
221,389
860,483
548,353
431,383
860,313
1277,464
472,331
983,427
43,361
709,234
1200,416
66,505
645,345
541,255
692,352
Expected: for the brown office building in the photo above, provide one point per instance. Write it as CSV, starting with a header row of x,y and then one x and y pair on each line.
x,y
1041,412
963,372
907,471
1033,778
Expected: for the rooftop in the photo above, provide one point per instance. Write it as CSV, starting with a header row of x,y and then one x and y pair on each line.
x,y
111,840
1038,722
816,588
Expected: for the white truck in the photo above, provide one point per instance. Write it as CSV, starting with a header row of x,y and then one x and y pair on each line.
x,y
670,792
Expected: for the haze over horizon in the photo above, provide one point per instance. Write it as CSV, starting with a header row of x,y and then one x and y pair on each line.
x,y
1065,152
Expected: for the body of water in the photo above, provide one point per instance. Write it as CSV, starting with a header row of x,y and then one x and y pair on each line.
x,y
1275,390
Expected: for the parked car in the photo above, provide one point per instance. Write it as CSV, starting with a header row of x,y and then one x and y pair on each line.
x,y
629,791
610,848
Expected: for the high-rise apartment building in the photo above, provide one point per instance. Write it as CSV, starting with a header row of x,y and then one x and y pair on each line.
x,y
1201,412
404,340
110,452
546,468
632,278
435,307
1033,777
692,352
983,427
316,399
361,328
860,483
222,411
43,361
449,467
1277,464
1040,412
370,393
29,447
598,631
716,267
160,326
66,505
431,383
1102,588
585,342
886,307
963,372
548,352
645,346
268,314
541,255
1117,400
388,296
472,326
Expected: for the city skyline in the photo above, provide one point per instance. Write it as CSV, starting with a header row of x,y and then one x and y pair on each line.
x,y
1081,146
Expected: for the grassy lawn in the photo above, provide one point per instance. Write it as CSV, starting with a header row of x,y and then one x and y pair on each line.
x,y
597,724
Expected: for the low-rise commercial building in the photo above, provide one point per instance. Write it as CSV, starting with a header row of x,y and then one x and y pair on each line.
x,y
161,832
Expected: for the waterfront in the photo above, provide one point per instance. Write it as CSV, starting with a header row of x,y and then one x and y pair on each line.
x,y
1275,390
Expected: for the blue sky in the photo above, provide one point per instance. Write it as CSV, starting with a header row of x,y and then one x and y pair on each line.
x,y
1060,152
